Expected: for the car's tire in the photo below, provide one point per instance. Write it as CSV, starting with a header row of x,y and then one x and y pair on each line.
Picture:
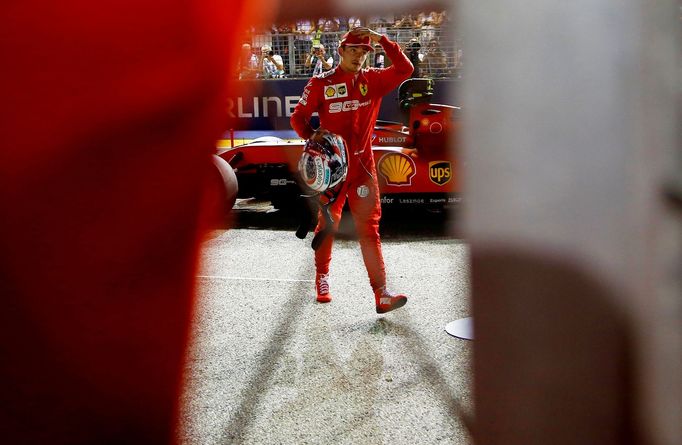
x,y
220,195
228,179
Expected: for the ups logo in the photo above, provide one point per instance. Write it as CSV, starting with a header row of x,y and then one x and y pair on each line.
x,y
440,172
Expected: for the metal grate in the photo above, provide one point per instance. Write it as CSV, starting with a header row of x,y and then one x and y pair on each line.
x,y
439,52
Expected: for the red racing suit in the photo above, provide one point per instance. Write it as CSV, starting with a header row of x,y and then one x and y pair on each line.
x,y
348,105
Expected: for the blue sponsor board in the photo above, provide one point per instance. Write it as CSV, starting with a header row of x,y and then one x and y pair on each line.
x,y
267,104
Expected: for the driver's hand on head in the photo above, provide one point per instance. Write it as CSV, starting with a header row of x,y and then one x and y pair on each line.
x,y
363,31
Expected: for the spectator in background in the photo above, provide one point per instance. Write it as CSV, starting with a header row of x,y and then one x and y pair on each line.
x,y
316,34
444,18
329,28
285,55
427,31
442,23
436,18
280,40
328,24
419,19
271,63
319,60
384,24
354,22
413,51
457,60
404,29
379,24
247,65
379,57
435,63
343,24
283,28
404,21
303,42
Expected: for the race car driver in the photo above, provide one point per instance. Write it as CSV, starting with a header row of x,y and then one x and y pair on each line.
x,y
347,99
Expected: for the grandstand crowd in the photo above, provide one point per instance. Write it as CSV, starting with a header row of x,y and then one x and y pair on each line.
x,y
309,46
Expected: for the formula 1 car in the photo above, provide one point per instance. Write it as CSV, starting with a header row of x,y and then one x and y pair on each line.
x,y
415,162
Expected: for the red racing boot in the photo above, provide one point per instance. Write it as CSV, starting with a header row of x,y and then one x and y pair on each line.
x,y
322,287
387,301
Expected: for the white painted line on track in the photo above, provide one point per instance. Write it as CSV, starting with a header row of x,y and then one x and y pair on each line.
x,y
220,277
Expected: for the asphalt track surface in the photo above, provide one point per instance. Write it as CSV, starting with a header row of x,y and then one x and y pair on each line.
x,y
269,365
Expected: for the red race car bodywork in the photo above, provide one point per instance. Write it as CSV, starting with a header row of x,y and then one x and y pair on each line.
x,y
416,163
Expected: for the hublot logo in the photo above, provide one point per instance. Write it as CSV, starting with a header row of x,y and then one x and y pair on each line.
x,y
392,140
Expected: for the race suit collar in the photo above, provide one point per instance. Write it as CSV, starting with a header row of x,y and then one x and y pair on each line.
x,y
352,77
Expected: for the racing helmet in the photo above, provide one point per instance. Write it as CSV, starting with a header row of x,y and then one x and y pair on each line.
x,y
324,165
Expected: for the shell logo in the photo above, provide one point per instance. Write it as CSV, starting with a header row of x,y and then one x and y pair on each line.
x,y
397,169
